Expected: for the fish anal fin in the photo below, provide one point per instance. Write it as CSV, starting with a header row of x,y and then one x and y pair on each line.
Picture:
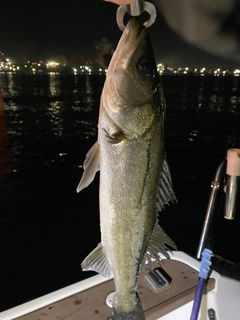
x,y
159,243
91,166
96,261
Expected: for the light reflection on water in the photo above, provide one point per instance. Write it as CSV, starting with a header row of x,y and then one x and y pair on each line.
x,y
61,110
203,94
12,88
49,110
6,164
56,118
54,85
49,115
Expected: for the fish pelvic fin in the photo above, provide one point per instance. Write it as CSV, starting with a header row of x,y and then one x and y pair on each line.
x,y
165,192
159,243
91,165
97,261
136,314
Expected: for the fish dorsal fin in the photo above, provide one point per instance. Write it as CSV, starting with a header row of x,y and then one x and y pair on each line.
x,y
157,245
165,192
91,165
97,261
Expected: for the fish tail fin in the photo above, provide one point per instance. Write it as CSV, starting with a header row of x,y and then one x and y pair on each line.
x,y
135,314
132,315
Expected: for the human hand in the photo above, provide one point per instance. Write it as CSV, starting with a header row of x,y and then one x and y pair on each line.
x,y
121,2
203,23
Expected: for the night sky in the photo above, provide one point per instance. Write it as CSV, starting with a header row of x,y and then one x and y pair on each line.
x,y
42,29
38,30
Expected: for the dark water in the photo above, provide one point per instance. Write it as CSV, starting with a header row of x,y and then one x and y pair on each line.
x,y
46,229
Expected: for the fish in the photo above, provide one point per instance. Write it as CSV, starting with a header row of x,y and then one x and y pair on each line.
x,y
135,180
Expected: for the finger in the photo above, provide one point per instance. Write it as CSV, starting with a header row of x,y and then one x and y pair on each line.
x,y
121,2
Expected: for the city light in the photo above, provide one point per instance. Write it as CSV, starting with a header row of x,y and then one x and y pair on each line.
x,y
60,65
6,64
52,64
236,72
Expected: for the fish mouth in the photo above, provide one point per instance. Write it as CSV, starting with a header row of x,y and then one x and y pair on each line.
x,y
134,29
132,36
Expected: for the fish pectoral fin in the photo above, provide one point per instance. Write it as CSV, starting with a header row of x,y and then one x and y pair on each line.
x,y
165,192
91,165
116,137
159,243
97,261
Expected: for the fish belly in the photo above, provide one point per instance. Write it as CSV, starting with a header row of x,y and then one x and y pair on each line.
x,y
128,181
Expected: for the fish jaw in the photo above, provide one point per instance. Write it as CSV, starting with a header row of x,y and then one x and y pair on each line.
x,y
130,40
132,88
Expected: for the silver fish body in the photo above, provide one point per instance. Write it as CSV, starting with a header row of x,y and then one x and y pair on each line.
x,y
134,178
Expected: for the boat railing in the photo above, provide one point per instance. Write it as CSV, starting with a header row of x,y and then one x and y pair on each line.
x,y
225,181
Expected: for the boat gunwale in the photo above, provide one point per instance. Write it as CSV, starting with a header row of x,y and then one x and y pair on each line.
x,y
82,285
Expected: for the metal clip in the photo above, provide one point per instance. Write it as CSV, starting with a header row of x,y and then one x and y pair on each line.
x,y
136,9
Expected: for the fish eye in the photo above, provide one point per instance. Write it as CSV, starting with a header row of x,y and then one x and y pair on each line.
x,y
145,65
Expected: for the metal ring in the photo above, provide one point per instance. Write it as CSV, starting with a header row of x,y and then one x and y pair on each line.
x,y
149,8
121,11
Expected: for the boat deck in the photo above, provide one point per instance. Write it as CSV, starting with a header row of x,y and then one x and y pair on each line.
x,y
91,303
